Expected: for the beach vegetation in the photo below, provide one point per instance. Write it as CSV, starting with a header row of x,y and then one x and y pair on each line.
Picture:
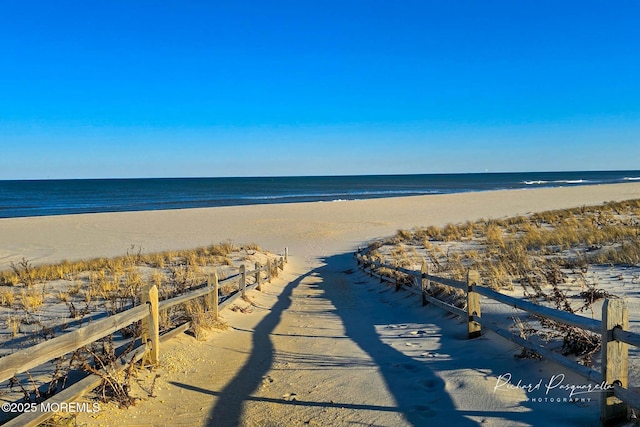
x,y
115,283
7,297
550,256
24,272
38,302
228,289
31,299
201,319
63,296
252,247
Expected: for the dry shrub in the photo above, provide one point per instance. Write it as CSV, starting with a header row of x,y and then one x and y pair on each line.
x,y
451,232
252,247
116,384
403,236
201,320
25,272
8,278
228,289
196,315
222,248
7,297
31,299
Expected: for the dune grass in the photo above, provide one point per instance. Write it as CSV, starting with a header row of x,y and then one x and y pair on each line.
x,y
538,252
524,248
32,292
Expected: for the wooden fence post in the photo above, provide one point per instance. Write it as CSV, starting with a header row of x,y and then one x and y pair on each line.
x,y
615,361
286,256
150,325
269,270
243,280
473,303
213,295
424,283
259,287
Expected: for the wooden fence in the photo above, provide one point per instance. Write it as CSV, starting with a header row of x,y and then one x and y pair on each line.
x,y
613,329
149,351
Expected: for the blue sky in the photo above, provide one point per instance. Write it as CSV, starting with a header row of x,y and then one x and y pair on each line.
x,y
211,88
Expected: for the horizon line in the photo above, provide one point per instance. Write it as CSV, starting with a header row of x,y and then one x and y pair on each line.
x,y
316,176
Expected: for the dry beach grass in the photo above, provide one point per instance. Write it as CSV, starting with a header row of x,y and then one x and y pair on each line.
x,y
45,301
553,258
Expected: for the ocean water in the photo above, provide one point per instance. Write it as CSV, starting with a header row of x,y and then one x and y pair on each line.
x,y
59,197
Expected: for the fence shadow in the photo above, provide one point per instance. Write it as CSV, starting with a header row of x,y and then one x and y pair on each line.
x,y
418,392
478,356
228,408
399,371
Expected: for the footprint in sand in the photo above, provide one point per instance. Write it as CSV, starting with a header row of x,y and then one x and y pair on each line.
x,y
410,367
425,411
429,354
290,397
266,380
397,326
429,383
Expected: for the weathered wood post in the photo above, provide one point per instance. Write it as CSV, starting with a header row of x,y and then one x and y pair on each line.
x,y
615,361
209,298
258,282
269,270
150,326
213,294
286,256
424,283
243,280
473,303
282,263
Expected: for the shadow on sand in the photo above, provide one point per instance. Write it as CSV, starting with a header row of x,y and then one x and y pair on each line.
x,y
420,394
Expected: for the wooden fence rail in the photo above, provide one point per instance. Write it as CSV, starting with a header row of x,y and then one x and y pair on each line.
x,y
613,329
23,360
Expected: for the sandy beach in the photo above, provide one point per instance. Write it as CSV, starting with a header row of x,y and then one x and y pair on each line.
x,y
310,230
323,345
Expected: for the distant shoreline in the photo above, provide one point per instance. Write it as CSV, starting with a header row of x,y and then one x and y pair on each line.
x,y
34,198
310,230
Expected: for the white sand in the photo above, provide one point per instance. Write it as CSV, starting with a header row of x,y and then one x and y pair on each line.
x,y
353,355
308,229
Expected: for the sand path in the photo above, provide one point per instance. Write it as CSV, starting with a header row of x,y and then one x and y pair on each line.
x,y
330,346
323,345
